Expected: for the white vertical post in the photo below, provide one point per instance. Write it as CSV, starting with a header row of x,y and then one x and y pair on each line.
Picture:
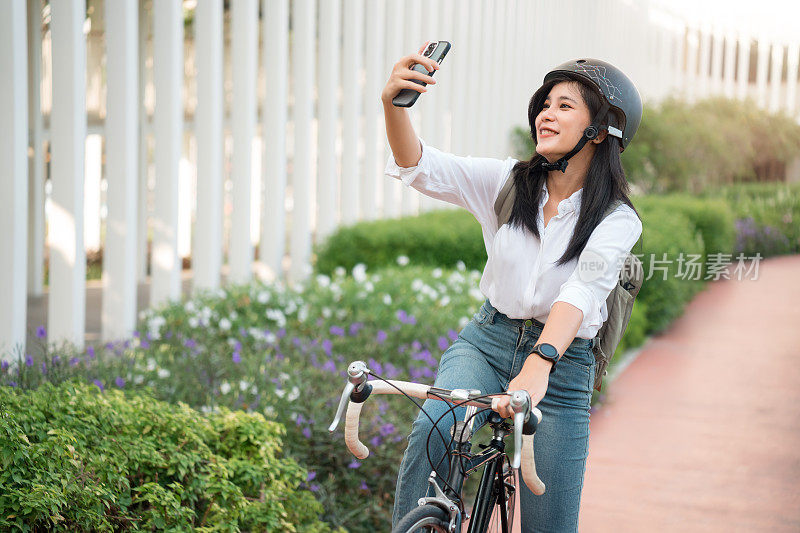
x,y
461,76
716,61
145,19
705,51
776,61
394,51
743,66
275,55
729,86
303,59
13,178
66,302
122,173
208,128
373,109
351,109
691,65
328,187
243,122
36,162
762,69
791,81
168,133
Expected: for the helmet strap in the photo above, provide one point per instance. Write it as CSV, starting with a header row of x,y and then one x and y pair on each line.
x,y
588,134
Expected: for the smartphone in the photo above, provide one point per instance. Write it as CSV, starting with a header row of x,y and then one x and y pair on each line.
x,y
436,50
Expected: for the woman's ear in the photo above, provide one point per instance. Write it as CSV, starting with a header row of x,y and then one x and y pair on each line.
x,y
601,136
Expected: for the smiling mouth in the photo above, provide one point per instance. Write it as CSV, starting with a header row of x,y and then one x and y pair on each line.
x,y
547,133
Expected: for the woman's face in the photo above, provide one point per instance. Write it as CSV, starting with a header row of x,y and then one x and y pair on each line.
x,y
561,121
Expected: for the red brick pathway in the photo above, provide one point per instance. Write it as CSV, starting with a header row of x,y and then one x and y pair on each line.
x,y
701,433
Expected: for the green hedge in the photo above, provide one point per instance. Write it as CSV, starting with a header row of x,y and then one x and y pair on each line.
x,y
438,238
77,459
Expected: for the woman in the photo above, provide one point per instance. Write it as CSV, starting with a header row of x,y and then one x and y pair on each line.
x,y
544,300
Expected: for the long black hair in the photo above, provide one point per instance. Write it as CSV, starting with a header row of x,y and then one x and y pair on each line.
x,y
605,181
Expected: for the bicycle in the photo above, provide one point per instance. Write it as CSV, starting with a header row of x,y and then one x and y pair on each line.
x,y
444,512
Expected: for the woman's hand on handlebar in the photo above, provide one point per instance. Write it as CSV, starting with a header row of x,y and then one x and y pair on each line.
x,y
534,378
402,73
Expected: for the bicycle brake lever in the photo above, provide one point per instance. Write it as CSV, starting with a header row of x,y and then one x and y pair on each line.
x,y
357,376
521,405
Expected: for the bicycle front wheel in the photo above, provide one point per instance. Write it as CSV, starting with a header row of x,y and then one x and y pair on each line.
x,y
425,518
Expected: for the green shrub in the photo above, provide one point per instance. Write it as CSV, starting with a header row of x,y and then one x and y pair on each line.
x,y
437,238
75,458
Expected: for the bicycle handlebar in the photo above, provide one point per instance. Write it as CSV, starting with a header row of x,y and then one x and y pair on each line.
x,y
520,403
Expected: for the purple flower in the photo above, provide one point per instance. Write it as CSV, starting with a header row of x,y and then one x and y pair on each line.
x,y
452,334
119,382
99,384
189,343
336,330
74,361
237,357
56,359
90,352
300,420
380,338
145,345
12,383
41,332
307,432
364,485
314,487
4,365
443,343
243,332
44,368
355,327
387,429
281,333
311,475
136,334
327,346
329,366
28,360
354,464
375,441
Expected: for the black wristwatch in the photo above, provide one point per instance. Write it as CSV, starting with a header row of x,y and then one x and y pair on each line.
x,y
549,352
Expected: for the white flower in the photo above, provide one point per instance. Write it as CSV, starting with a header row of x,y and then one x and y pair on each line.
x,y
294,394
277,316
360,272
387,299
243,385
341,313
339,272
444,301
461,266
417,285
263,297
151,364
369,287
193,322
437,273
326,312
163,373
189,306
138,379
270,338
302,315
205,409
225,387
234,315
323,280
463,321
269,411
280,393
283,376
476,294
291,307
224,324
402,260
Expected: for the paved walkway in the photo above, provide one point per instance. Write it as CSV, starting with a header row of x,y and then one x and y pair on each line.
x,y
701,433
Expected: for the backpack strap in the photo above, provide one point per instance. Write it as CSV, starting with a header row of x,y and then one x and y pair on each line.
x,y
505,201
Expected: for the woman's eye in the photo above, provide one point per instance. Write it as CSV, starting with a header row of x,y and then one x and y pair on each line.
x,y
565,105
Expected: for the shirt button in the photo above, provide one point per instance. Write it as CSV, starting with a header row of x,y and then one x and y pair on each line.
x,y
528,323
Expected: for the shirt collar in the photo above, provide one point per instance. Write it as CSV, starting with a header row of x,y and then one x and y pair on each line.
x,y
573,203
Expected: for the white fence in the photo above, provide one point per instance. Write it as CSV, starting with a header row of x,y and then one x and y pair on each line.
x,y
262,122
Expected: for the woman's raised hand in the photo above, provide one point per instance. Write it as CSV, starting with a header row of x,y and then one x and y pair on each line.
x,y
402,74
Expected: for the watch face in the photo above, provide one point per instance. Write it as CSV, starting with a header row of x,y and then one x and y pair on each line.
x,y
548,350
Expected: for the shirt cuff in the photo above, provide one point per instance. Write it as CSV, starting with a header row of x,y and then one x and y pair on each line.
x,y
407,174
585,300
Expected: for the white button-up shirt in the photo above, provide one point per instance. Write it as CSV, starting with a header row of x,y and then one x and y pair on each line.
x,y
520,278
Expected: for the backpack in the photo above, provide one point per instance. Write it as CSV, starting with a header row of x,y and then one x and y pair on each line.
x,y
619,301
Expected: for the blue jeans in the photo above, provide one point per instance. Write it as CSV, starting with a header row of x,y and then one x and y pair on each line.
x,y
487,355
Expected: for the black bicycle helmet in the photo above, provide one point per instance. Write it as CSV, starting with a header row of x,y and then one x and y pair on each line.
x,y
618,93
